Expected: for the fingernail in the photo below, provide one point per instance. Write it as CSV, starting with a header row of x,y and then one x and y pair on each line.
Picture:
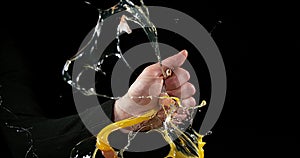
x,y
184,52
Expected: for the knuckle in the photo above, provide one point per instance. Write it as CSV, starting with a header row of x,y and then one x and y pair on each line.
x,y
191,88
187,74
193,101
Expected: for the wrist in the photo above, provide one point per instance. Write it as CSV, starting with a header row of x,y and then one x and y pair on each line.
x,y
120,114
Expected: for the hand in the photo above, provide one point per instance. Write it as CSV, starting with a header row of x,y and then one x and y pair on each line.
x,y
150,83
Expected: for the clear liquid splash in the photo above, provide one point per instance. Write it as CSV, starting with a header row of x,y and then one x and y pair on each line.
x,y
215,26
183,143
30,152
122,27
140,16
131,136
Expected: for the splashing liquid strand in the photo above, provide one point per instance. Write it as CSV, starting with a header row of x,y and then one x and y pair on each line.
x,y
189,143
20,128
102,137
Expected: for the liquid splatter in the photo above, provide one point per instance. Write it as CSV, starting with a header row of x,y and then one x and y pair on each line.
x,y
30,152
188,143
215,26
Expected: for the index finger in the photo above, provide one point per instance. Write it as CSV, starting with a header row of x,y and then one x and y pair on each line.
x,y
176,60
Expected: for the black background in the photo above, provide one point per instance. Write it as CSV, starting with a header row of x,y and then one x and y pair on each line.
x,y
250,38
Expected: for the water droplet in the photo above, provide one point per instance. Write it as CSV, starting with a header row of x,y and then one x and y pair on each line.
x,y
208,133
87,2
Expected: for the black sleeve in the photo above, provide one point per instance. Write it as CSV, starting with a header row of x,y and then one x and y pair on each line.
x,y
48,137
23,126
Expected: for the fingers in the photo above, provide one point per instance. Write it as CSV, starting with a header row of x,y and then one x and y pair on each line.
x,y
179,77
185,91
176,60
178,118
189,102
182,114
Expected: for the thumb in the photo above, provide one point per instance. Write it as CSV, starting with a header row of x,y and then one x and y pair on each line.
x,y
176,60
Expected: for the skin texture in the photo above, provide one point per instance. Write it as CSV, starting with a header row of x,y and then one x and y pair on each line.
x,y
150,83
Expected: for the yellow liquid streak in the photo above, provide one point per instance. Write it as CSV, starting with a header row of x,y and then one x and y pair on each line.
x,y
174,153
102,137
103,143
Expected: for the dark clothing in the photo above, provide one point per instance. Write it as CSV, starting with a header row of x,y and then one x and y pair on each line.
x,y
36,38
25,127
22,120
26,124
32,121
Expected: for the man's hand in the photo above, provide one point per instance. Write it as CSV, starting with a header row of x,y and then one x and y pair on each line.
x,y
144,92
